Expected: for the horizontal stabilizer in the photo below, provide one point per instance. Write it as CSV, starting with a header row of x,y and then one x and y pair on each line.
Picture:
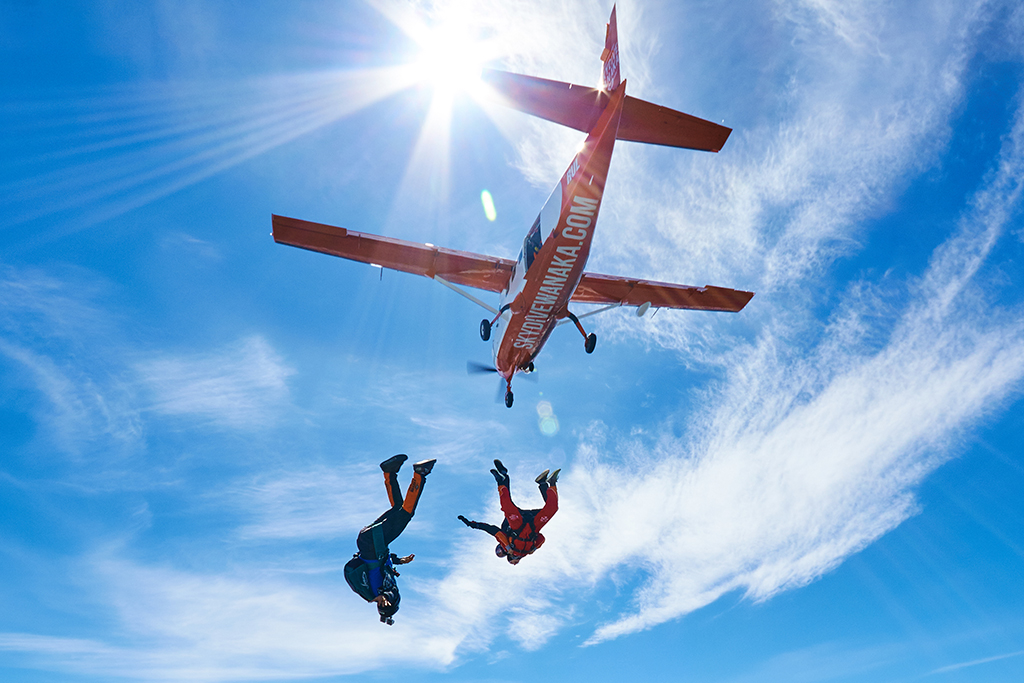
x,y
610,289
459,267
579,107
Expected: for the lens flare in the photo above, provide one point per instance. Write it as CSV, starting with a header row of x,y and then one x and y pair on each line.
x,y
547,422
488,202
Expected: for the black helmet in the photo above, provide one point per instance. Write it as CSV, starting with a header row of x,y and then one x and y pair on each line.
x,y
386,613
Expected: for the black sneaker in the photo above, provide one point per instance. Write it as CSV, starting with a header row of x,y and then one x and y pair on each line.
x,y
501,468
424,466
542,477
553,479
394,463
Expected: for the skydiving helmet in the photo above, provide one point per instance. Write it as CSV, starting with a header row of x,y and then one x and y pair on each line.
x,y
387,613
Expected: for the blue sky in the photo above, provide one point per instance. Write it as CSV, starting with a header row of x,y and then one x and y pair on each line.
x,y
824,487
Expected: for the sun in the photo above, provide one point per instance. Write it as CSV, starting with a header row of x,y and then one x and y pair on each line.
x,y
450,58
444,56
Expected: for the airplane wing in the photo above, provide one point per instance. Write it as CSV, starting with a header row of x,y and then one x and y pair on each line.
x,y
459,267
609,289
579,107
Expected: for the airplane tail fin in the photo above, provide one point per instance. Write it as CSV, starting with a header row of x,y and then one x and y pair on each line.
x,y
579,107
610,56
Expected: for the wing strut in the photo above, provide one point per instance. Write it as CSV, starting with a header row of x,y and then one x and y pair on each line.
x,y
589,313
460,290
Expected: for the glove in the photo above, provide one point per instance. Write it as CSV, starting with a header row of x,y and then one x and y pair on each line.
x,y
465,521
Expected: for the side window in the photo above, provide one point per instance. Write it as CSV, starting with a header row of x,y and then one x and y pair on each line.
x,y
531,245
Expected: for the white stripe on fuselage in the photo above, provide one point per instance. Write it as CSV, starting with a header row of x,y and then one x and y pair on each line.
x,y
578,221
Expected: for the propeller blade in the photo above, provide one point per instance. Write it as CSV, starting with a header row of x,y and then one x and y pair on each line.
x,y
474,368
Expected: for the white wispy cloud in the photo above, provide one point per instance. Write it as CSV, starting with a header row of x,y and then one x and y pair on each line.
x,y
242,386
806,451
236,626
809,452
317,503
48,326
975,662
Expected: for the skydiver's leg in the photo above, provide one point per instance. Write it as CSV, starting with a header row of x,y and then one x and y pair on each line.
x,y
394,492
419,478
397,518
390,468
394,520
364,541
544,515
513,515
393,523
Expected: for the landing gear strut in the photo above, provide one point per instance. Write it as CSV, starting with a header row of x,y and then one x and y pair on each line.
x,y
590,341
508,393
485,324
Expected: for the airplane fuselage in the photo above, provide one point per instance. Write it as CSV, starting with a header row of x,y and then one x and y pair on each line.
x,y
556,250
536,290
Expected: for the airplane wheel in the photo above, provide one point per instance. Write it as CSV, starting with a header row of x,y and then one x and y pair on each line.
x,y
508,399
591,343
485,329
529,367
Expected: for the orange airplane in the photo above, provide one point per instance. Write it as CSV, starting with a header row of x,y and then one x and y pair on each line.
x,y
537,288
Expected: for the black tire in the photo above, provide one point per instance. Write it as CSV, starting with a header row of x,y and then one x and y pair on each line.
x,y
485,329
529,367
508,398
591,343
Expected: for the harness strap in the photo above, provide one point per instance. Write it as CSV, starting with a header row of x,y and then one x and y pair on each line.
x,y
379,549
522,545
371,564
518,534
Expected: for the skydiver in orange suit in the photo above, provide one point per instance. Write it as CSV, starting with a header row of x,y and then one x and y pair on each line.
x,y
371,572
519,534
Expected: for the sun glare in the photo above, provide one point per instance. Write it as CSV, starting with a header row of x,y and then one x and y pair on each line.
x,y
450,59
449,49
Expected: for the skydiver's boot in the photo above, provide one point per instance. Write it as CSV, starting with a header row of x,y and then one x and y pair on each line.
x,y
419,477
550,482
501,479
394,463
424,466
500,473
390,469
542,483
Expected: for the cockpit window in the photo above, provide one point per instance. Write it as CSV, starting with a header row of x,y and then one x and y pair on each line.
x,y
531,245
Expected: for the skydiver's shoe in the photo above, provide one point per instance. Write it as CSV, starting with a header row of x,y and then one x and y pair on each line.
x,y
542,477
501,468
553,479
394,463
502,479
424,466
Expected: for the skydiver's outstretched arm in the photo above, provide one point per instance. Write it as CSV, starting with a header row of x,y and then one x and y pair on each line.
x,y
489,528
